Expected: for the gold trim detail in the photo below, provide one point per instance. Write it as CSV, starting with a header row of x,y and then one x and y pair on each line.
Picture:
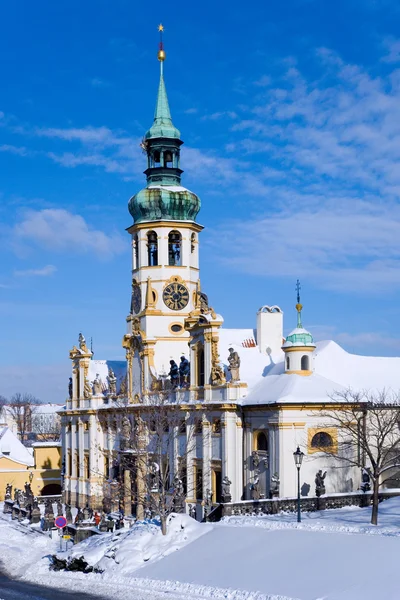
x,y
180,332
332,431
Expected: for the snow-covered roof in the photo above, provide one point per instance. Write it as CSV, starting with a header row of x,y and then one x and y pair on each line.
x,y
102,367
13,449
47,408
334,370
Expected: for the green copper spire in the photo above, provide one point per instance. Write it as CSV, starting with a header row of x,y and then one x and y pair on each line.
x,y
299,336
162,126
163,197
299,306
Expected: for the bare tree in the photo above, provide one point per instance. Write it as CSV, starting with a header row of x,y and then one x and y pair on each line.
x,y
47,427
155,441
368,435
21,407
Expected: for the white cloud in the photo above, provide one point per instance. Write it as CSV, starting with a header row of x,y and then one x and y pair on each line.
x,y
97,82
43,272
229,114
19,150
346,245
368,340
393,47
60,230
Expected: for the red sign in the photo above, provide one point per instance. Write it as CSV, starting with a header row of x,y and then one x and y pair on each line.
x,y
60,522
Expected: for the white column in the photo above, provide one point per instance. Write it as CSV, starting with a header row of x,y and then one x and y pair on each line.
x,y
81,450
206,439
190,453
239,456
229,458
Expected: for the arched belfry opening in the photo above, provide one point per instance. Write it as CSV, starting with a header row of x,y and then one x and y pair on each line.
x,y
262,442
305,363
152,249
200,366
135,252
174,249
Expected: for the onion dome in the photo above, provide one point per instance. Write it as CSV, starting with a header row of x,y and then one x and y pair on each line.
x,y
172,202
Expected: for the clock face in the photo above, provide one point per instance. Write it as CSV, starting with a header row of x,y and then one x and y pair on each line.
x,y
136,298
176,296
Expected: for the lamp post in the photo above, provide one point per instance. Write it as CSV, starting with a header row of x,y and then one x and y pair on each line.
x,y
298,459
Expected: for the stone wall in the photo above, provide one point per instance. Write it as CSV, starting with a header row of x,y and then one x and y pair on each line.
x,y
309,504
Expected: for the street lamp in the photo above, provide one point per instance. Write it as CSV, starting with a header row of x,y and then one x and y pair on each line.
x,y
298,459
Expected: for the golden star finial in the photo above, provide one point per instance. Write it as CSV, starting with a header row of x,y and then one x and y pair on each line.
x,y
161,27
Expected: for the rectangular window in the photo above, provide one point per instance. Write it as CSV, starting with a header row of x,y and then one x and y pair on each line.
x,y
86,466
199,483
106,467
216,426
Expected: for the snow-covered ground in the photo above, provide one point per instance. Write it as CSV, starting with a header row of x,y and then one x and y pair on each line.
x,y
332,555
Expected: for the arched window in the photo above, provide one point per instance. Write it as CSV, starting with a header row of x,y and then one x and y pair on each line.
x,y
174,248
262,442
305,363
192,242
51,489
135,252
287,363
168,159
152,248
322,439
200,367
156,159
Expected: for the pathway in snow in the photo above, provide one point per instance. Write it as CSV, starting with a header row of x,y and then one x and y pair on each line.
x,y
298,564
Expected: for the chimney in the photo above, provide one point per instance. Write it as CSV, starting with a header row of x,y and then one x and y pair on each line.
x,y
269,329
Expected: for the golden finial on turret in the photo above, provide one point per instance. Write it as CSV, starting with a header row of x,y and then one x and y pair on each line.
x,y
161,52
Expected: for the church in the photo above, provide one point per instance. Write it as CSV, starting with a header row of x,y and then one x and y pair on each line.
x,y
247,398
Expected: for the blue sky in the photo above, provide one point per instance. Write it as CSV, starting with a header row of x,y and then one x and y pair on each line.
x,y
290,114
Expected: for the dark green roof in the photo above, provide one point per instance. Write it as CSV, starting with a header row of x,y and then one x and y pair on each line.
x,y
164,202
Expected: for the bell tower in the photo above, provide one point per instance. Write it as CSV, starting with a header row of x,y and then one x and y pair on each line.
x,y
165,252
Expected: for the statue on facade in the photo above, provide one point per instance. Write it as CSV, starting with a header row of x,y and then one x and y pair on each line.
x,y
68,513
255,489
320,483
192,511
82,343
28,493
226,489
123,387
274,486
184,372
255,459
112,382
48,509
87,389
217,374
234,365
365,480
174,374
126,430
79,516
87,512
70,388
8,495
21,499
59,509
97,385
35,513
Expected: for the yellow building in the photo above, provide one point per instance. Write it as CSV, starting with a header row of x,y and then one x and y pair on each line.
x,y
40,465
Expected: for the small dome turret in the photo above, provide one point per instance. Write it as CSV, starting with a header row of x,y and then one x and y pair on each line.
x,y
299,345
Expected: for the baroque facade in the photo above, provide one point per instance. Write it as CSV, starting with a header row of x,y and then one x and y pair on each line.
x,y
246,398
